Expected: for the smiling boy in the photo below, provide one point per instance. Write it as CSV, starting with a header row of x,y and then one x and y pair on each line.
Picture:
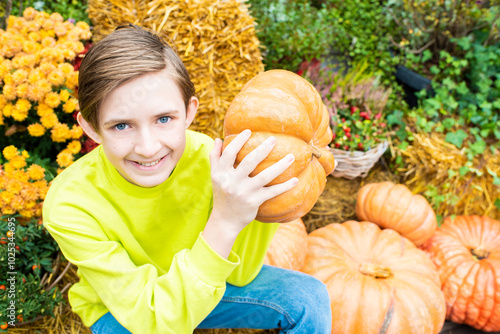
x,y
157,220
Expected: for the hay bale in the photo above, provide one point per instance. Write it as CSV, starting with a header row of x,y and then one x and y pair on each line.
x,y
215,39
432,163
337,203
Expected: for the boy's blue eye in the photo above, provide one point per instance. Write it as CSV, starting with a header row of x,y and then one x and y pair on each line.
x,y
121,126
164,119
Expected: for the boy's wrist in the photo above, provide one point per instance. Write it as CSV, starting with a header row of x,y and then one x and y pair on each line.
x,y
221,235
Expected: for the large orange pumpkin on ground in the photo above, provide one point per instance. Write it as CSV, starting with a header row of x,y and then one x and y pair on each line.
x,y
378,281
289,246
466,251
282,104
394,206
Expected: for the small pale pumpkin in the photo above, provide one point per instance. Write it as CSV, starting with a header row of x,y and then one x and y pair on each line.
x,y
466,251
289,246
282,104
378,281
394,206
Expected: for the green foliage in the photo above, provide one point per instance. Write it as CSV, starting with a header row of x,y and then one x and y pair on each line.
x,y
417,25
30,250
466,104
69,9
291,32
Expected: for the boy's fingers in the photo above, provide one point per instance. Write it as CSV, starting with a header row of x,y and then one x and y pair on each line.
x,y
216,152
254,158
278,189
229,155
273,171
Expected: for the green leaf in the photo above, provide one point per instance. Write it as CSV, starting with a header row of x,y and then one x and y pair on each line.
x,y
434,69
463,170
448,123
456,138
497,203
478,147
426,55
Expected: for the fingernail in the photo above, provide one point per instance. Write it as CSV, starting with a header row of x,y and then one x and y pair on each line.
x,y
290,157
247,132
295,180
271,140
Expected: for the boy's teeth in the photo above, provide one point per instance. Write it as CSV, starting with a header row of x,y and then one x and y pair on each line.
x,y
150,164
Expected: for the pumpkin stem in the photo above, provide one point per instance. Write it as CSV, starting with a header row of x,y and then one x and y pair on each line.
x,y
480,253
315,152
375,270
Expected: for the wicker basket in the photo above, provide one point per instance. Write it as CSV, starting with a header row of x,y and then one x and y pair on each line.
x,y
357,163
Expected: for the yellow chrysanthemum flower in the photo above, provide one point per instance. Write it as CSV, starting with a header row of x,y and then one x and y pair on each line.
x,y
18,162
35,76
72,80
69,54
20,76
6,196
49,120
42,109
60,133
22,90
74,147
35,93
10,152
32,26
52,99
29,13
9,91
66,68
56,77
82,25
48,41
46,67
31,47
3,101
23,105
24,61
63,94
48,24
8,109
8,79
56,17
76,132
25,154
64,158
36,130
70,105
36,172
19,115
34,36
60,29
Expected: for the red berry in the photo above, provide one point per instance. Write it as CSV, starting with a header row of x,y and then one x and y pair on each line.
x,y
346,147
2,287
348,134
334,136
337,145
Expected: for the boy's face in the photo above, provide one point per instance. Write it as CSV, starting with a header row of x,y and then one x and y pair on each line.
x,y
142,128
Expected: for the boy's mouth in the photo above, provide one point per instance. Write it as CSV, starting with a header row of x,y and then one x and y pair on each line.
x,y
149,164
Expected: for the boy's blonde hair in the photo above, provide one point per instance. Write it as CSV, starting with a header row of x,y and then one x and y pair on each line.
x,y
123,55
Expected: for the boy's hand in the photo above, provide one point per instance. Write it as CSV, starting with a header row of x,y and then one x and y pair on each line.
x,y
237,196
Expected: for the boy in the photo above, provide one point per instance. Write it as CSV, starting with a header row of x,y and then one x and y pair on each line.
x,y
157,219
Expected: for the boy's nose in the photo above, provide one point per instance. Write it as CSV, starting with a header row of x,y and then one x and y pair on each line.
x,y
147,145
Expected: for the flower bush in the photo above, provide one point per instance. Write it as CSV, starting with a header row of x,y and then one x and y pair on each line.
x,y
27,251
38,85
22,188
356,104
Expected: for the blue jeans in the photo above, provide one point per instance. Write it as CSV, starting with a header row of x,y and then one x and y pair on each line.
x,y
277,298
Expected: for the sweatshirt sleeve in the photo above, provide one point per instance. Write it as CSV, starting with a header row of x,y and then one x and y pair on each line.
x,y
138,297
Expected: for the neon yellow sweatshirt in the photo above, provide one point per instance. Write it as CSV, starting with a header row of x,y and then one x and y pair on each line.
x,y
139,251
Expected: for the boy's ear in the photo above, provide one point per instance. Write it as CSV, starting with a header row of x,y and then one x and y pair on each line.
x,y
191,110
88,128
